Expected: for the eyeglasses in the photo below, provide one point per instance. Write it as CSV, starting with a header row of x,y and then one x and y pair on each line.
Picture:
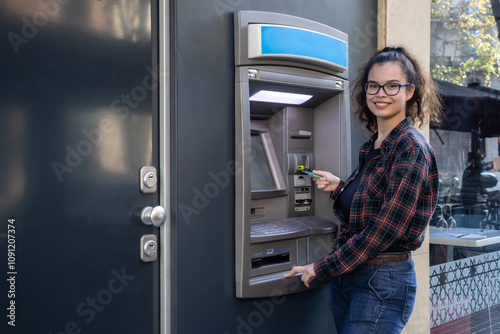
x,y
391,89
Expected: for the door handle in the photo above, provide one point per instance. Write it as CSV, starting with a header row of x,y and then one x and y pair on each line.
x,y
153,216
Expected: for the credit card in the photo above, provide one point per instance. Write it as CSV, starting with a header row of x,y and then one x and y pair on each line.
x,y
311,174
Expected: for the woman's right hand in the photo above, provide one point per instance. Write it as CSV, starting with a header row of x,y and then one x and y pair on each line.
x,y
328,181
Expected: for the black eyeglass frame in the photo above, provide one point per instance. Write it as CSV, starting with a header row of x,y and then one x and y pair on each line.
x,y
383,87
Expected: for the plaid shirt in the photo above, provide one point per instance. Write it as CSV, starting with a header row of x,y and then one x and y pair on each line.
x,y
393,204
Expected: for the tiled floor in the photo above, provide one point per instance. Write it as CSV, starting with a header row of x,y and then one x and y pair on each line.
x,y
484,322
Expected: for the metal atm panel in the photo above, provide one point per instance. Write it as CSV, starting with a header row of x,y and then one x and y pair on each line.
x,y
278,223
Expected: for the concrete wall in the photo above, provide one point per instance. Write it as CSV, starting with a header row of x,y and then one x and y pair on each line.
x,y
407,23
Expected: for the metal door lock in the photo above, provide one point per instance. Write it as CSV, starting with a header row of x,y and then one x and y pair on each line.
x,y
149,248
148,179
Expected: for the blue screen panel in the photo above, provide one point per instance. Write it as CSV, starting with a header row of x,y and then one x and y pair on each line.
x,y
297,42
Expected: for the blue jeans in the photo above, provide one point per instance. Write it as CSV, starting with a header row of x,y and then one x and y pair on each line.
x,y
374,299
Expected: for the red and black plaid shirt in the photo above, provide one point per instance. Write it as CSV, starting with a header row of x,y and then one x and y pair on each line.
x,y
394,202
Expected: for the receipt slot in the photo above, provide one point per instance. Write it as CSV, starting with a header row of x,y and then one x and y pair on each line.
x,y
292,115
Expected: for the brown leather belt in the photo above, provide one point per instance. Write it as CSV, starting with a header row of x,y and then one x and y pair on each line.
x,y
384,258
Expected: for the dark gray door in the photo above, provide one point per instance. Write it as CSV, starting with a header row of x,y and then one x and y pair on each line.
x,y
78,120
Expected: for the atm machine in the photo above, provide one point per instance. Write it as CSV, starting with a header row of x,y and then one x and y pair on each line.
x,y
292,116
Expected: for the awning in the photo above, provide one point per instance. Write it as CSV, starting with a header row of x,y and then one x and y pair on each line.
x,y
469,108
495,7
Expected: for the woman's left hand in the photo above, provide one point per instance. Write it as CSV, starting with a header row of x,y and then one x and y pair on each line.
x,y
307,271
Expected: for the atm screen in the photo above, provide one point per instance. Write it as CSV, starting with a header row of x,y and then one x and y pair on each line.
x,y
261,178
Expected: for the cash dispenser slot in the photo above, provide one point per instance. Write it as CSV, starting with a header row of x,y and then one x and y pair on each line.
x,y
266,261
274,251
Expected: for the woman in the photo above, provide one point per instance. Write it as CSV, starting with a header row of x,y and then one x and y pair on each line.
x,y
385,205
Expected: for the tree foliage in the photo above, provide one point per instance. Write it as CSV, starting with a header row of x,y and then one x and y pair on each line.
x,y
465,40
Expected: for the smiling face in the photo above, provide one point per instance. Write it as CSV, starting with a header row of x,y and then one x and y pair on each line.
x,y
389,110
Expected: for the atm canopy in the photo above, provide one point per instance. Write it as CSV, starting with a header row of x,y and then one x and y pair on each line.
x,y
468,108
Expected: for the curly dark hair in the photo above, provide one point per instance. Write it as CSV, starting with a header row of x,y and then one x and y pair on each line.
x,y
425,105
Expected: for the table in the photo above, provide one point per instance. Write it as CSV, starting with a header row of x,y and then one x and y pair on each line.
x,y
461,236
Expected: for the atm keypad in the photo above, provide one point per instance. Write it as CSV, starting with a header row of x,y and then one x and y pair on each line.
x,y
268,229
